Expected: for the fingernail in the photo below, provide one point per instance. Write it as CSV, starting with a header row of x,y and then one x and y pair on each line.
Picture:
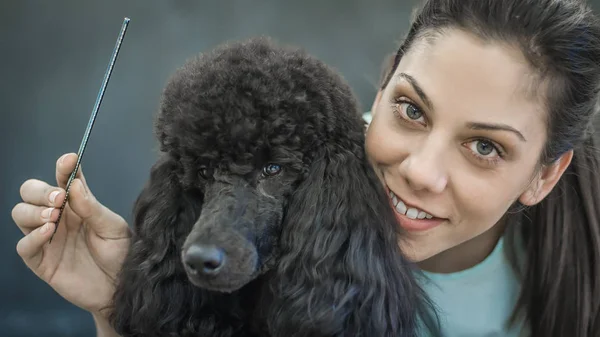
x,y
61,159
46,214
53,196
44,228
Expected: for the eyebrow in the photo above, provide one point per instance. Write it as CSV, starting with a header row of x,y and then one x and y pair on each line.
x,y
496,127
417,88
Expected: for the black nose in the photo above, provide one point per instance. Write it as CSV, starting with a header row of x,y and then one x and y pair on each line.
x,y
204,259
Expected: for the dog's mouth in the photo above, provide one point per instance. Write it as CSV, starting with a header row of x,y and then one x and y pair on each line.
x,y
222,267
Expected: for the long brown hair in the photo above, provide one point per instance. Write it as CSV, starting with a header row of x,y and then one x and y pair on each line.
x,y
560,236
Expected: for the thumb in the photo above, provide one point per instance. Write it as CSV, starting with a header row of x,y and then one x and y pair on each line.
x,y
101,220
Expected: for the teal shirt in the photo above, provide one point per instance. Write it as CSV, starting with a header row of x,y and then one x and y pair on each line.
x,y
476,302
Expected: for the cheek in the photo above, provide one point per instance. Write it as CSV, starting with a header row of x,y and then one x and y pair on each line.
x,y
385,145
267,227
483,200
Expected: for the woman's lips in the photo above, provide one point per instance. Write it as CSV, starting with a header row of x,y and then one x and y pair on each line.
x,y
410,218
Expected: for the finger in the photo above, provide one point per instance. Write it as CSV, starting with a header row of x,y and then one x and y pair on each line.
x,y
29,217
40,193
30,247
100,219
65,166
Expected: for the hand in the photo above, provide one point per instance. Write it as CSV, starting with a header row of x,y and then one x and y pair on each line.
x,y
88,249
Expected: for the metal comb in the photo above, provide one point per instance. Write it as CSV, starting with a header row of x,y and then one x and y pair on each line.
x,y
88,130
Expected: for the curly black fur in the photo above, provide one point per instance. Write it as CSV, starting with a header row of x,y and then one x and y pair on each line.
x,y
263,166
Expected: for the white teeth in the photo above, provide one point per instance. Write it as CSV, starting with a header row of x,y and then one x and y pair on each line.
x,y
412,213
400,207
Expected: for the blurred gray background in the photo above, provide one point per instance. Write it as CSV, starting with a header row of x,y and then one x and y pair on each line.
x,y
53,56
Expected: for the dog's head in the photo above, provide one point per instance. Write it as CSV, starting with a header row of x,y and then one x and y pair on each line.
x,y
245,122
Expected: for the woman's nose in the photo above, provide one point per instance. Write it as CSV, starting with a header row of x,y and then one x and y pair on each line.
x,y
424,168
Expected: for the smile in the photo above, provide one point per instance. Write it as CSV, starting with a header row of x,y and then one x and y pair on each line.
x,y
412,218
410,212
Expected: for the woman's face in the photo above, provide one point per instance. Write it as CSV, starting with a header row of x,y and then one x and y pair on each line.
x,y
455,137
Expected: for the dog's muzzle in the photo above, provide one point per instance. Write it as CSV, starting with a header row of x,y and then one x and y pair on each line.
x,y
219,253
203,259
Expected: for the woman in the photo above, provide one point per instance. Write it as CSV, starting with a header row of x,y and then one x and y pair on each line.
x,y
481,131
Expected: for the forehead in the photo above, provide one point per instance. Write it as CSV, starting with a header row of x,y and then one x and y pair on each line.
x,y
468,79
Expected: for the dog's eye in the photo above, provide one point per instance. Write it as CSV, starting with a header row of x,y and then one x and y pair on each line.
x,y
271,170
203,172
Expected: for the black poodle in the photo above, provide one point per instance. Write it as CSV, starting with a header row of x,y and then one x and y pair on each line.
x,y
262,216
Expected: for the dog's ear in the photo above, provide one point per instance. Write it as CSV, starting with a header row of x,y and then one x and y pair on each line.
x,y
342,272
153,296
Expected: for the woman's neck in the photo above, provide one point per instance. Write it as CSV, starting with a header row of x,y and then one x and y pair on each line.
x,y
465,255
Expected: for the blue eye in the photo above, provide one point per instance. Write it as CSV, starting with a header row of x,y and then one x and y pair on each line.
x,y
271,170
484,147
413,112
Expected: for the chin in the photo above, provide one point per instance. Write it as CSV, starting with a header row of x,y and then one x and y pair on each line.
x,y
417,249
